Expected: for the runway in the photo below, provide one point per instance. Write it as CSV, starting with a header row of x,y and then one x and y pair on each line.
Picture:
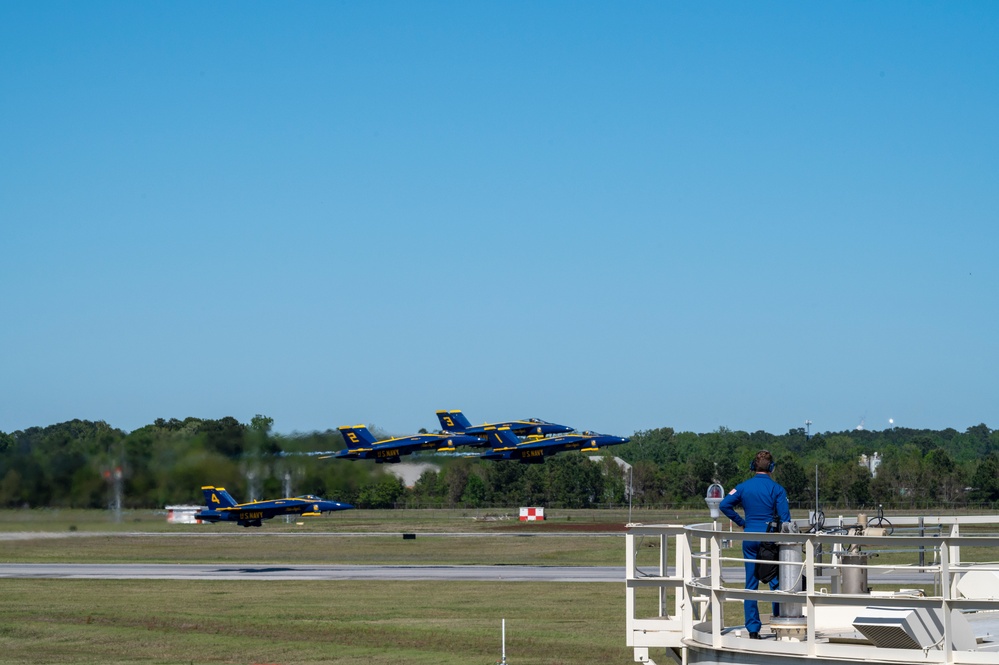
x,y
197,571
450,573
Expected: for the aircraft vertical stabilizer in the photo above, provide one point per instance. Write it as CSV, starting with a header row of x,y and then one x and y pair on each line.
x,y
453,421
217,497
357,436
503,438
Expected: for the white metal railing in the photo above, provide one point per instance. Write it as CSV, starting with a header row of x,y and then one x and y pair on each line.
x,y
679,604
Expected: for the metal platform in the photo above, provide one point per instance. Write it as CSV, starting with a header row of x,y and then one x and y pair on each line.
x,y
927,604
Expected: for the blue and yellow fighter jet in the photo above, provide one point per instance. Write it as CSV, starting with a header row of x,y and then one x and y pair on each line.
x,y
505,446
221,507
455,421
361,444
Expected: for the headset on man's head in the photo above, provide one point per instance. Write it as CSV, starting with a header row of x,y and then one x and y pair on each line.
x,y
770,467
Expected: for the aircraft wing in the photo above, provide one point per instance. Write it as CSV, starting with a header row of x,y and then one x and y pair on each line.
x,y
456,422
526,427
391,450
534,451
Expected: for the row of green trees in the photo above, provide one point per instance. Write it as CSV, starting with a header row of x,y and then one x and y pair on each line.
x,y
74,464
918,467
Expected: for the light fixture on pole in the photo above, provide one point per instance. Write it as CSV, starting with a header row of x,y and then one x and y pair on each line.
x,y
714,498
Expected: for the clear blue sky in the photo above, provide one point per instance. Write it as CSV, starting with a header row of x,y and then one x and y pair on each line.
x,y
616,216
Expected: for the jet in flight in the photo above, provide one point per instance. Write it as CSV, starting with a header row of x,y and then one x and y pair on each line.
x,y
455,421
505,446
221,507
361,444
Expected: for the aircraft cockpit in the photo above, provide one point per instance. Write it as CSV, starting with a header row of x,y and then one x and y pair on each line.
x,y
310,497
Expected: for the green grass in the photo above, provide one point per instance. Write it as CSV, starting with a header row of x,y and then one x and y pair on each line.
x,y
410,521
138,621
80,536
311,549
62,519
158,621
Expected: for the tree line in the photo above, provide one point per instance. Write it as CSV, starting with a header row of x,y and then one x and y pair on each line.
x,y
74,464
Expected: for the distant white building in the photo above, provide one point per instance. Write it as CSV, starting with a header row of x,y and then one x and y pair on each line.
x,y
625,467
871,463
410,472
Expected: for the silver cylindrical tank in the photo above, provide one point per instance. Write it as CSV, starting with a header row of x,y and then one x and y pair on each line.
x,y
854,580
791,573
790,624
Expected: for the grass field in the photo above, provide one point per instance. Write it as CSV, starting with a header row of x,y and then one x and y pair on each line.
x,y
266,622
382,521
376,623
263,548
156,621
145,537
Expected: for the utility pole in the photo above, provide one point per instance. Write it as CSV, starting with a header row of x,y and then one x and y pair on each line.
x,y
118,492
631,490
114,478
503,661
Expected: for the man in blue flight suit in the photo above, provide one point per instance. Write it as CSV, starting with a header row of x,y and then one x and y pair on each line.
x,y
761,498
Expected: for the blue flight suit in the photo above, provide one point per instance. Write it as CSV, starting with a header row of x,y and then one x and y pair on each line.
x,y
761,498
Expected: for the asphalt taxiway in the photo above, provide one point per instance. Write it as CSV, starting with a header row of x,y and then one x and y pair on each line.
x,y
199,571
451,573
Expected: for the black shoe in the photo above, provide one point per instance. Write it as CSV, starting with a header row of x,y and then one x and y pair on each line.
x,y
754,636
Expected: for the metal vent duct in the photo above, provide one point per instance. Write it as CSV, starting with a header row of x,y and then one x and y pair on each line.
x,y
888,633
913,628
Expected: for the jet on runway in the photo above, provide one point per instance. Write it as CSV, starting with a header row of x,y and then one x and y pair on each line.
x,y
506,446
361,444
221,507
455,421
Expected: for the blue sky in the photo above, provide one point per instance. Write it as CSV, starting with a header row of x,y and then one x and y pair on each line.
x,y
617,216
